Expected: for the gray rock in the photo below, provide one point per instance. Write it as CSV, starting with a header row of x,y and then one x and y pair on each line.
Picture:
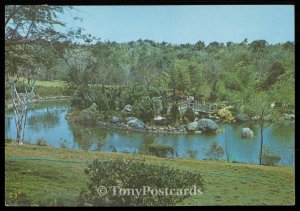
x,y
127,109
241,117
213,117
288,116
159,120
193,126
207,125
247,133
116,120
130,118
136,123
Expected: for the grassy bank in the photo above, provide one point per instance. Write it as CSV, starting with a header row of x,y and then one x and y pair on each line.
x,y
58,178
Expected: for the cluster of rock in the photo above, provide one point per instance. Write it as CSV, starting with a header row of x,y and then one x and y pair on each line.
x,y
199,126
204,125
133,123
288,116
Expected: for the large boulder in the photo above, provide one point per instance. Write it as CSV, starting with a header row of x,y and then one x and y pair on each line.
x,y
207,125
247,133
241,117
192,126
116,120
136,123
127,109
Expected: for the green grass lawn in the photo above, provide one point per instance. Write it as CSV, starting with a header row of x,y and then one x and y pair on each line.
x,y
58,180
52,83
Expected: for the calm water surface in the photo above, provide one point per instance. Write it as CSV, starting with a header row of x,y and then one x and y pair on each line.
x,y
48,122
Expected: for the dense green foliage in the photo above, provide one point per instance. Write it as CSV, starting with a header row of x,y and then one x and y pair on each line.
x,y
233,72
136,174
144,72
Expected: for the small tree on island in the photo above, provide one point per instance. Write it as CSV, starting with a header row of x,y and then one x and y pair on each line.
x,y
260,107
174,113
189,114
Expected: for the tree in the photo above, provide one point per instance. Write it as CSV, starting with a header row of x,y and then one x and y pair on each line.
x,y
199,45
275,71
260,105
174,113
180,78
189,114
161,83
29,31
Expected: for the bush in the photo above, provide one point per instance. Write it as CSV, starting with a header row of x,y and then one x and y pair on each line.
x,y
41,142
158,150
147,108
88,116
174,113
268,158
189,114
215,151
136,174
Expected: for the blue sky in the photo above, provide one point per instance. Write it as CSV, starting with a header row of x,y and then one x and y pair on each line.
x,y
185,24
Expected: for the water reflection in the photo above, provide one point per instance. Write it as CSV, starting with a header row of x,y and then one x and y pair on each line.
x,y
49,122
88,137
41,119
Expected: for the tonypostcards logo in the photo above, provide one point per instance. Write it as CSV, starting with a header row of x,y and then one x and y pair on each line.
x,y
146,190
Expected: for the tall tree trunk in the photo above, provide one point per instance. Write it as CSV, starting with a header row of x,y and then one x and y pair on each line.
x,y
261,144
226,144
261,124
20,106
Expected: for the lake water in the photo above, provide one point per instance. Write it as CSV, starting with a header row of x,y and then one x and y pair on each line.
x,y
48,122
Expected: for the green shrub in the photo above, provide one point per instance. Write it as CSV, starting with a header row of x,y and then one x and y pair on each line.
x,y
189,114
268,156
174,113
158,150
270,160
41,142
147,108
136,174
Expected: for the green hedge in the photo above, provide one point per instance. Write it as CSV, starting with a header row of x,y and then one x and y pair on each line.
x,y
112,176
